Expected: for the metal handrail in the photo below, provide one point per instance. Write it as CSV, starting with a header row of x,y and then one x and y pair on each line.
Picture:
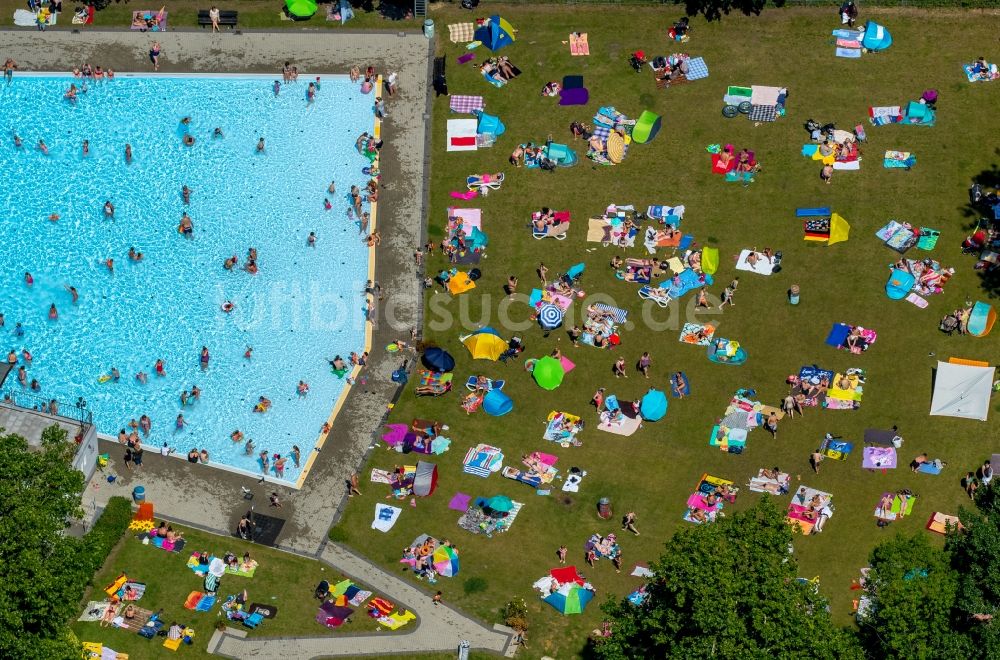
x,y
77,411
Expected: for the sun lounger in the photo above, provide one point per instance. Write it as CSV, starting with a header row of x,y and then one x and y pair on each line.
x,y
556,231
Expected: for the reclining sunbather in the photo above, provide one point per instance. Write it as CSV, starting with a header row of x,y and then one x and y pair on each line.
x,y
485,179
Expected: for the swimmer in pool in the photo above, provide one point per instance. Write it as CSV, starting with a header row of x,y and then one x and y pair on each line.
x,y
73,292
326,204
109,209
17,141
230,263
217,133
276,87
187,226
115,374
249,447
53,312
179,423
142,377
86,147
128,153
333,188
109,263
236,436
41,147
303,388
188,140
247,354
186,194
184,398
160,368
28,279
204,357
196,392
133,255
186,121
311,241
260,146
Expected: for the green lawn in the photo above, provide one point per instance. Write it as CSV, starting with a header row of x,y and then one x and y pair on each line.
x,y
654,471
253,14
283,580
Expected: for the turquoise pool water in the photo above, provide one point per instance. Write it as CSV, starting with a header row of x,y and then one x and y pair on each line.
x,y
303,307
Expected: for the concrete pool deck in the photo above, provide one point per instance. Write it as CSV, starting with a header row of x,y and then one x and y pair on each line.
x,y
212,499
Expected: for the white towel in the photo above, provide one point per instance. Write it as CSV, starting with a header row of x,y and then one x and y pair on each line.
x,y
385,517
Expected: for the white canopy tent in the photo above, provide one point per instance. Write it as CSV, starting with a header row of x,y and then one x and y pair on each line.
x,y
961,390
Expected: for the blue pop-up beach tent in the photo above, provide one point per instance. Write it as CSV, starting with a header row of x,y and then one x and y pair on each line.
x,y
489,124
876,37
496,33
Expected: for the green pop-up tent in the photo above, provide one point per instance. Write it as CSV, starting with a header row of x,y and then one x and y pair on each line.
x,y
300,10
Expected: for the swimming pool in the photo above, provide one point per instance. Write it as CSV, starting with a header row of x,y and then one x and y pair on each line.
x,y
301,308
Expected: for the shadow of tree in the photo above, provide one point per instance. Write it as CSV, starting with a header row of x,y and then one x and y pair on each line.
x,y
983,211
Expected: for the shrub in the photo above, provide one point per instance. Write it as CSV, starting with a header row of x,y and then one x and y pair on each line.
x,y
515,614
338,535
474,585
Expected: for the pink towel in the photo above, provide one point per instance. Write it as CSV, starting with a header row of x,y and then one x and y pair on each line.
x,y
566,363
696,501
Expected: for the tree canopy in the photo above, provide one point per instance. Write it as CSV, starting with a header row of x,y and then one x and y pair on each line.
x,y
40,584
728,590
714,10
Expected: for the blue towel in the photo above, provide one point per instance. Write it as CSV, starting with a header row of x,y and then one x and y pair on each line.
x,y
205,604
851,53
697,69
809,149
929,468
838,335
814,212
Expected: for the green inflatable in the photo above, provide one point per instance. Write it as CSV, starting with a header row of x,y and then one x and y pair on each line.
x,y
548,373
710,260
646,127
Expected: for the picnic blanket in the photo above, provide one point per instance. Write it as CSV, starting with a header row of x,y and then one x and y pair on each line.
x,y
880,115
462,134
763,266
697,334
147,15
801,503
900,236
199,602
939,522
876,458
466,103
899,160
461,33
161,543
670,215
94,610
476,521
562,427
902,505
848,398
840,334
618,424
836,448
763,113
762,484
992,74
482,460
25,18
385,517
697,68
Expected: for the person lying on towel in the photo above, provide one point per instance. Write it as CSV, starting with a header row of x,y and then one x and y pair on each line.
x,y
485,179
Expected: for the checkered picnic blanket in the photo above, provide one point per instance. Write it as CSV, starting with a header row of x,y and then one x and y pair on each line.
x,y
461,33
619,315
763,113
697,69
466,104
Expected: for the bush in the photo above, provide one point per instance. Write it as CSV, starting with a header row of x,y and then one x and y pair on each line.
x,y
474,585
103,536
338,535
515,614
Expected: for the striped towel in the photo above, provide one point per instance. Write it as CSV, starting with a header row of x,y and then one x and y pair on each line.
x,y
619,315
466,104
460,33
697,69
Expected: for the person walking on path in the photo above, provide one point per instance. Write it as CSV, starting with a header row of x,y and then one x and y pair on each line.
x,y
628,523
436,599
353,484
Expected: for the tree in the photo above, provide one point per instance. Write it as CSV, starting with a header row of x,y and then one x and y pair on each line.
x,y
726,590
912,588
975,557
714,10
40,582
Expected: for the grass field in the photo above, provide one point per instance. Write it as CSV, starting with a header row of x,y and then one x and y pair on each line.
x,y
283,580
653,471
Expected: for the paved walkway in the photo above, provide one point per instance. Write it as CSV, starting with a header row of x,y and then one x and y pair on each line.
x,y
439,629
